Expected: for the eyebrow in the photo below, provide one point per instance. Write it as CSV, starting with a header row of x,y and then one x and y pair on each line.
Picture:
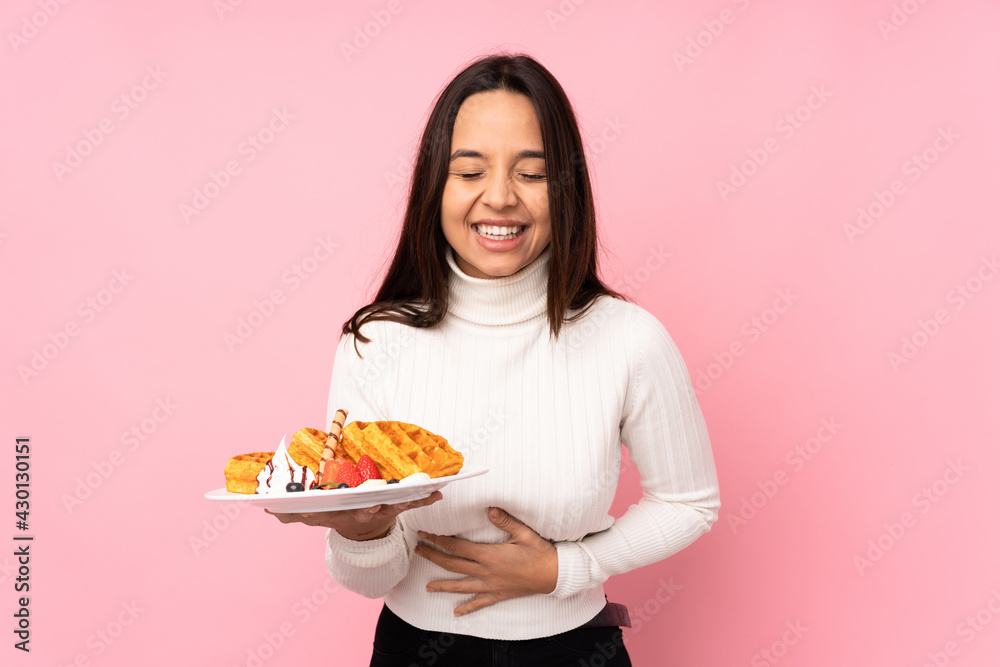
x,y
465,152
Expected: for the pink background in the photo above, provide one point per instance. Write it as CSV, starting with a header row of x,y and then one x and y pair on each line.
x,y
841,547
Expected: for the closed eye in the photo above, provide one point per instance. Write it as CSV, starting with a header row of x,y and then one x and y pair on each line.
x,y
468,176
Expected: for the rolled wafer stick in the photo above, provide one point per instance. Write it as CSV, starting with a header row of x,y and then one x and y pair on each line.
x,y
331,440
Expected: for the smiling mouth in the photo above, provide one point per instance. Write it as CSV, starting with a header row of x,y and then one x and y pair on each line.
x,y
499,233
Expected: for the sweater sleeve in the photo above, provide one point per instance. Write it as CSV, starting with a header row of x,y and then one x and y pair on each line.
x,y
371,567
664,430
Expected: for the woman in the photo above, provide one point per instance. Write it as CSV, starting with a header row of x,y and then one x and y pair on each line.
x,y
493,329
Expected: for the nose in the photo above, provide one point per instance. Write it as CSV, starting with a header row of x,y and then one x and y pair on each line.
x,y
498,193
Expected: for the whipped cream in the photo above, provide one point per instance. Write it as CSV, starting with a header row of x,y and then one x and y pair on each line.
x,y
415,477
281,470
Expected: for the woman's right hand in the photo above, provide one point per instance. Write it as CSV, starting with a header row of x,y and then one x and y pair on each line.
x,y
369,523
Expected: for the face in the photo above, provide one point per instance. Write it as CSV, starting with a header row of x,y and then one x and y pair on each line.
x,y
495,207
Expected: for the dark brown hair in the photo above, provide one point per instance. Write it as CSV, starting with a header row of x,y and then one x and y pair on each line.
x,y
415,288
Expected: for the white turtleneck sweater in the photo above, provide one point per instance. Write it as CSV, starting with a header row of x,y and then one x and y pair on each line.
x,y
547,417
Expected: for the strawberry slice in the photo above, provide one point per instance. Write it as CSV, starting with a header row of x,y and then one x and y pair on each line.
x,y
349,474
330,470
366,468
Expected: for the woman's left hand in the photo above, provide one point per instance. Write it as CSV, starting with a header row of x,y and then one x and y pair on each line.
x,y
525,564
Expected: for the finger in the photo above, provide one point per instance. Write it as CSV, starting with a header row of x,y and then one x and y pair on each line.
x,y
423,502
463,585
311,519
298,518
365,514
478,602
283,517
393,510
502,520
508,524
451,563
420,502
455,545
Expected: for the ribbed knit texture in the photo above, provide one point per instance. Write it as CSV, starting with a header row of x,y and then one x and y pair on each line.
x,y
547,417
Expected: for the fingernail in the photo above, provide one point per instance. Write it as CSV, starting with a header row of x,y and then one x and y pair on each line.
x,y
421,533
430,589
494,513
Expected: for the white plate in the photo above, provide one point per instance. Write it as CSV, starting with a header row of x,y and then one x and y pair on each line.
x,y
321,500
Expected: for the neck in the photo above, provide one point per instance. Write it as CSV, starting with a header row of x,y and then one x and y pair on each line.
x,y
519,297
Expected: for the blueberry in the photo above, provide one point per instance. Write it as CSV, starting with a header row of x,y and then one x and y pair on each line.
x,y
343,485
393,481
292,487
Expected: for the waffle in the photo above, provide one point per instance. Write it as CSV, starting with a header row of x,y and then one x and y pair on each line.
x,y
306,447
242,471
312,447
400,449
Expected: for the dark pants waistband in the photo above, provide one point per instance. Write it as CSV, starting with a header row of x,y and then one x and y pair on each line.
x,y
613,614
399,644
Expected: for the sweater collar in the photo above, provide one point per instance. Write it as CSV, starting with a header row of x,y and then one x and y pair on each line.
x,y
499,301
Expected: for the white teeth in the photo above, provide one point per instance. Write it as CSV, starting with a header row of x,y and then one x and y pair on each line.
x,y
499,233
